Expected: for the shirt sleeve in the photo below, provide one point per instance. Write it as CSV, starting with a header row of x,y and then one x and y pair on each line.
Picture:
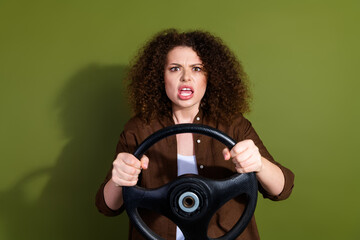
x,y
246,131
126,143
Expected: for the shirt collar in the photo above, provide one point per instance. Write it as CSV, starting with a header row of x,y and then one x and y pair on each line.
x,y
167,120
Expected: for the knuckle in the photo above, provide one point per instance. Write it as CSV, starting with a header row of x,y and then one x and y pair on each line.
x,y
242,165
250,141
120,156
115,163
129,161
236,149
132,180
134,171
238,159
115,171
117,180
129,178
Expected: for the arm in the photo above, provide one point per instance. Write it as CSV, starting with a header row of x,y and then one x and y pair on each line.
x,y
109,195
125,172
246,157
250,155
271,177
113,195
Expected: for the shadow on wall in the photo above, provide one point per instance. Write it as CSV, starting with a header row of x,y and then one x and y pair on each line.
x,y
92,110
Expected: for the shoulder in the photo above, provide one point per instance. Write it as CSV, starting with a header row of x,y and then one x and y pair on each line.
x,y
236,128
132,135
240,121
142,129
243,128
134,123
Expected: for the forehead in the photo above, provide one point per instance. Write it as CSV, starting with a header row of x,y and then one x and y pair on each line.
x,y
182,53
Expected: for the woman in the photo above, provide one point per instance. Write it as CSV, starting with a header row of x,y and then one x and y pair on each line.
x,y
190,77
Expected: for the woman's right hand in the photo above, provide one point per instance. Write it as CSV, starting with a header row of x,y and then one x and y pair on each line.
x,y
126,169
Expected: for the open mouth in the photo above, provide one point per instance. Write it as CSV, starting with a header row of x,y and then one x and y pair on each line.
x,y
185,92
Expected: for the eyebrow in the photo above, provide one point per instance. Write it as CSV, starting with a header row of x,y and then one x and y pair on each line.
x,y
195,64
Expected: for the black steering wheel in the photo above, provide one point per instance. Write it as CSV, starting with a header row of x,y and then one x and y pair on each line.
x,y
190,200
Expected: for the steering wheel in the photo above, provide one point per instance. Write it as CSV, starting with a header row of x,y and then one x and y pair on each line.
x,y
190,200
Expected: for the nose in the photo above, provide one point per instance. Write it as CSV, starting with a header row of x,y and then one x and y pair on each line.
x,y
186,76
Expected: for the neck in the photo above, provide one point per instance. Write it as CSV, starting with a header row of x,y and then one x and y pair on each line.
x,y
184,115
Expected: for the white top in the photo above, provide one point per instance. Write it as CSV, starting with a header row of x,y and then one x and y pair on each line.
x,y
185,164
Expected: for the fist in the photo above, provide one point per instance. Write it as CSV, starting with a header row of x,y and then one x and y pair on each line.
x,y
246,157
126,169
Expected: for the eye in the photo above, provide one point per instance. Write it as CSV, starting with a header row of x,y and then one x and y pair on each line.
x,y
197,69
174,69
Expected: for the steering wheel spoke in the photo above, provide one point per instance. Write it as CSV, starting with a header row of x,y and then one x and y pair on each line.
x,y
239,184
152,199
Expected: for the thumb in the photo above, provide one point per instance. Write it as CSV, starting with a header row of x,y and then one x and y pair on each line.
x,y
226,154
144,162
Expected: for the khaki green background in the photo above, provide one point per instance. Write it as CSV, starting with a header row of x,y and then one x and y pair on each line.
x,y
62,106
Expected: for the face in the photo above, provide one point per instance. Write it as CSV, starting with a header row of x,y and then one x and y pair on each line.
x,y
185,78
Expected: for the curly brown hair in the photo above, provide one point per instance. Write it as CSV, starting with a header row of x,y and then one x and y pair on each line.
x,y
226,95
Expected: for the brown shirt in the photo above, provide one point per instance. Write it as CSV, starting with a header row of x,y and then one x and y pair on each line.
x,y
211,164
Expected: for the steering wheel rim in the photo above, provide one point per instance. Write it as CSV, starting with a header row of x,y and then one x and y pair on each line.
x,y
165,199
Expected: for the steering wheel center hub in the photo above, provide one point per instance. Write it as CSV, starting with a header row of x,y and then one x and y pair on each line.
x,y
188,199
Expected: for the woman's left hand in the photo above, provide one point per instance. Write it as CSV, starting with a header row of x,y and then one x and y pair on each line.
x,y
246,157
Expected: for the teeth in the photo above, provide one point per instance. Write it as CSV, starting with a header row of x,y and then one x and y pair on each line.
x,y
186,91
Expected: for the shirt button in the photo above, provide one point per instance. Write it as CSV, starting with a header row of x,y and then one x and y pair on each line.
x,y
201,166
198,118
198,141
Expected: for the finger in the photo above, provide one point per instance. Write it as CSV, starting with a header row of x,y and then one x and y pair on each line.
x,y
131,160
127,174
120,182
254,164
245,155
121,166
240,147
130,170
248,166
239,169
144,162
240,164
124,179
245,164
243,170
226,153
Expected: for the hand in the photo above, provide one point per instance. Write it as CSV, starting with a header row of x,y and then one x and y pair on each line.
x,y
246,157
126,169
